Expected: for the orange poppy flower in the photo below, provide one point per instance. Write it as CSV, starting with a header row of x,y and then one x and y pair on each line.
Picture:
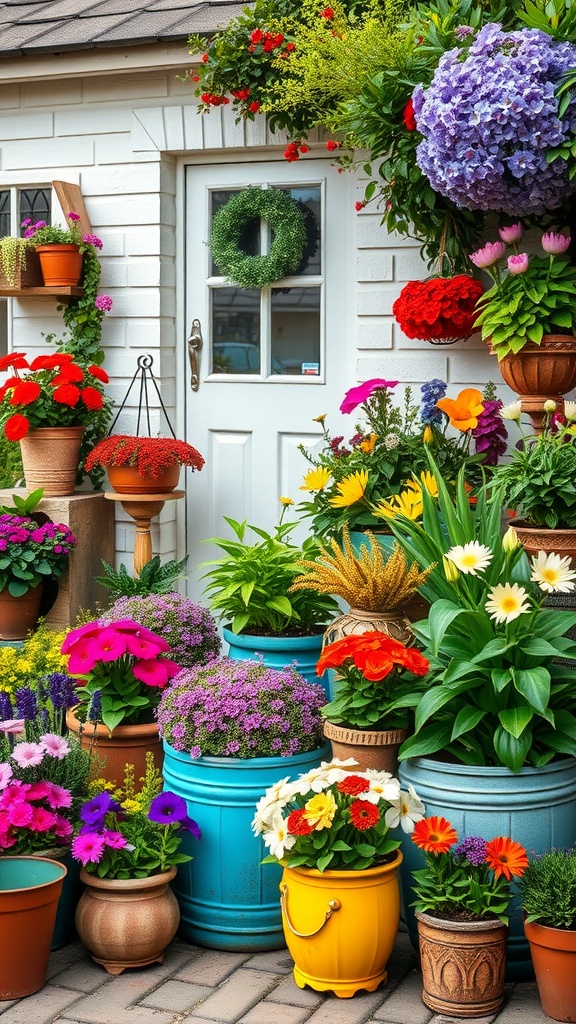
x,y
434,835
463,410
505,857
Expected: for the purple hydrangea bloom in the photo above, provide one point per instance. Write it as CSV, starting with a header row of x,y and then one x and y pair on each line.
x,y
489,119
473,849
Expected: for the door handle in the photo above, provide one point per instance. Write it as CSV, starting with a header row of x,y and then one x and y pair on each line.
x,y
194,342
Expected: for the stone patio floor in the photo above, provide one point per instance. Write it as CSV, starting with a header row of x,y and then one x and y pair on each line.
x,y
203,986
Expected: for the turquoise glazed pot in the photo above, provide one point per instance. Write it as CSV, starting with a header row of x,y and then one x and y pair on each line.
x,y
535,807
228,898
64,928
279,652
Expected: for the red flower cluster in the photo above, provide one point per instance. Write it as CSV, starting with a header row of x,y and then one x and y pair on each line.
x,y
439,308
332,144
374,654
150,455
56,391
293,150
269,41
241,94
212,99
327,13
408,116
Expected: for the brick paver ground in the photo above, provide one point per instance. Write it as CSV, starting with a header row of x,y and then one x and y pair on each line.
x,y
204,986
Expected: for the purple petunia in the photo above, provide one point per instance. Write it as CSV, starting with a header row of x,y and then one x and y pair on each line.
x,y
167,808
94,810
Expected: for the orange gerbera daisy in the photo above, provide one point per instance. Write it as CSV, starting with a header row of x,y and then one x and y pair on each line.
x,y
463,410
505,857
434,835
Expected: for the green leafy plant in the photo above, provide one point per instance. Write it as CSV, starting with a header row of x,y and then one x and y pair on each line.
x,y
548,889
13,252
24,506
538,479
249,587
30,552
470,882
497,692
135,833
154,578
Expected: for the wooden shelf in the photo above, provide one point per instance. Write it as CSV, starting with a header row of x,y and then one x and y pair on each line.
x,y
63,290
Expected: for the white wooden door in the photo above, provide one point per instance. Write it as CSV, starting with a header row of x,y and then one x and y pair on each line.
x,y
271,360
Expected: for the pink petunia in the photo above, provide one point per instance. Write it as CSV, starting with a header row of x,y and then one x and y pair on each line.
x,y
80,658
115,840
141,648
15,793
355,396
88,848
129,626
156,672
6,774
28,754
72,638
109,645
12,726
38,790
55,745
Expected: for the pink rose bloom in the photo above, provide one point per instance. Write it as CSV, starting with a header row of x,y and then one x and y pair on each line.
x,y
28,754
518,264
489,254
511,233
12,726
355,396
555,244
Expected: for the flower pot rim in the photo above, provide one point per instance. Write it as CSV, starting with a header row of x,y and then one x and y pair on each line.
x,y
118,884
102,731
364,737
33,857
547,935
377,869
281,638
521,526
458,768
251,762
480,925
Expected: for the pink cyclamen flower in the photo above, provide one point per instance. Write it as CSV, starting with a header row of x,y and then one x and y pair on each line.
x,y
12,726
6,774
518,264
355,396
28,754
555,244
489,254
511,233
55,745
88,848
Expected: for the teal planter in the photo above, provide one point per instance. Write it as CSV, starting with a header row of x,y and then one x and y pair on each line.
x,y
228,899
64,929
279,652
29,892
535,807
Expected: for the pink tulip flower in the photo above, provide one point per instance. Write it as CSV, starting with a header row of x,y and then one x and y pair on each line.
x,y
488,255
555,244
511,233
518,264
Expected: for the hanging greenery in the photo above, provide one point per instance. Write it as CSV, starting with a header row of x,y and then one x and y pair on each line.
x,y
289,237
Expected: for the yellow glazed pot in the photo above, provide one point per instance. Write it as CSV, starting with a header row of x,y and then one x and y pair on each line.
x,y
340,926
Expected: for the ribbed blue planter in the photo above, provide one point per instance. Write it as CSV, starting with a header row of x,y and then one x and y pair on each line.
x,y
535,807
279,651
228,898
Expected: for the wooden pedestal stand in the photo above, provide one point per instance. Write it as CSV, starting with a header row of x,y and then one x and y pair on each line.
x,y
142,508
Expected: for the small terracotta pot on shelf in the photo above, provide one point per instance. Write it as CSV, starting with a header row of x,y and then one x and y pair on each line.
x,y
61,264
127,480
19,615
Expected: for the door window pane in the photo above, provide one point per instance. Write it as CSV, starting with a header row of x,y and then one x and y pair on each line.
x,y
235,330
308,198
35,204
296,330
5,226
250,241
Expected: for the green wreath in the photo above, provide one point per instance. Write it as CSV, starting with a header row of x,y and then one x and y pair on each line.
x,y
289,237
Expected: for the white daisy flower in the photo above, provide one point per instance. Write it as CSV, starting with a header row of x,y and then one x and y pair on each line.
x,y
406,810
470,558
570,411
383,786
506,602
512,411
278,839
552,573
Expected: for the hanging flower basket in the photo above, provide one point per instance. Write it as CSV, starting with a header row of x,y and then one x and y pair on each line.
x,y
439,310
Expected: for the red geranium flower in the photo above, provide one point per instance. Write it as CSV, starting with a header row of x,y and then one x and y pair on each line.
x,y
12,382
99,373
364,815
441,308
67,394
16,427
25,392
408,116
327,13
70,373
92,398
353,785
17,360
51,362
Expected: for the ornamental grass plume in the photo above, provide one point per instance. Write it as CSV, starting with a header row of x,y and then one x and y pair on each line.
x,y
370,579
470,882
241,709
149,455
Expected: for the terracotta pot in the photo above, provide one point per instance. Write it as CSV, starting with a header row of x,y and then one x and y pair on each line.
x,y
127,480
371,748
553,952
61,264
340,926
540,372
463,965
29,892
542,538
126,744
19,615
50,457
127,922
357,621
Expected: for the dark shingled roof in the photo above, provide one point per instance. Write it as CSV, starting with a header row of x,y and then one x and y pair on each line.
x,y
53,26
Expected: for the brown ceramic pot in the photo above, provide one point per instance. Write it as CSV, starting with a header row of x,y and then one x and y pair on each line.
x,y
19,615
553,952
61,264
50,457
358,620
126,744
127,480
462,965
540,372
371,748
127,922
542,538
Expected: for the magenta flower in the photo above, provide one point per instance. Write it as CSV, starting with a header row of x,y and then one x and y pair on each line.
x,y
55,746
38,790
42,820
73,216
108,645
6,774
142,648
88,848
142,632
115,840
356,396
20,813
155,673
63,828
28,754
104,303
555,244
81,659
93,240
88,629
488,254
518,264
57,796
511,233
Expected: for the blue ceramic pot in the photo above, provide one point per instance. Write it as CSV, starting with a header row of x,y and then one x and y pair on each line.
x,y
535,807
278,652
228,898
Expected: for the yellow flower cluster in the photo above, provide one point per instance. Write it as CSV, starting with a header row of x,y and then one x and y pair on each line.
x,y
39,656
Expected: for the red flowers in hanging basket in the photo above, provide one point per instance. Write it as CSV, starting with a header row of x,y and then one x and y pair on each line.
x,y
150,455
440,310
